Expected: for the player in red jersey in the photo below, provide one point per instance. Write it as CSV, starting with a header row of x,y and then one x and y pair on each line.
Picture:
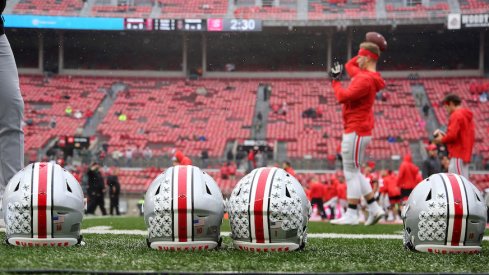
x,y
358,120
459,137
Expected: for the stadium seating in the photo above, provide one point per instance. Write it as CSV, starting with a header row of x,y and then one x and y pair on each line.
x,y
45,100
191,116
436,89
285,10
49,7
397,9
321,137
341,9
474,6
193,9
121,11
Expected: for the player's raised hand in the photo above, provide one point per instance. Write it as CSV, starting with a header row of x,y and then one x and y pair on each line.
x,y
336,71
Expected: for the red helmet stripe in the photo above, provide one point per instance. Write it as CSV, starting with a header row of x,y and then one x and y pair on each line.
x,y
459,211
182,203
42,200
259,210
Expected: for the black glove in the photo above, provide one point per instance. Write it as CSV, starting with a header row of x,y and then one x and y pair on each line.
x,y
336,71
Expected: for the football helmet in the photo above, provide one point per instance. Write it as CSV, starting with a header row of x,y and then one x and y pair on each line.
x,y
268,211
445,213
183,210
43,206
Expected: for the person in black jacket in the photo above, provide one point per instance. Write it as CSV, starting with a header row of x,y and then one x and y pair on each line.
x,y
114,191
11,112
95,190
432,164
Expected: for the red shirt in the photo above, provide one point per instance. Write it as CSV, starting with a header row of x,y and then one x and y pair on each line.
x,y
291,171
316,190
408,174
186,161
460,135
341,189
329,192
358,99
232,169
224,170
390,186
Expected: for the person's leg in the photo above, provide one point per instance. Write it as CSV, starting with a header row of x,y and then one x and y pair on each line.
x,y
321,209
351,171
457,166
11,115
101,204
111,206
116,205
375,212
92,205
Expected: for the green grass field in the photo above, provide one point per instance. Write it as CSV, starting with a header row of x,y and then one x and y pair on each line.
x,y
129,253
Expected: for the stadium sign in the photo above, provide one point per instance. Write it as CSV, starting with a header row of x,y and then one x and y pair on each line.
x,y
63,22
458,21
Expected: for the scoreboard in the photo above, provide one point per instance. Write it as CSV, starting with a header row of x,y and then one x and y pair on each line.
x,y
131,23
193,25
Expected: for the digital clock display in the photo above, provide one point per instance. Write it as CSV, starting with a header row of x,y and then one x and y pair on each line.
x,y
242,25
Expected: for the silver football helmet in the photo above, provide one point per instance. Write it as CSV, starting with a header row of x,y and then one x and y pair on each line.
x,y
268,211
43,206
445,213
183,210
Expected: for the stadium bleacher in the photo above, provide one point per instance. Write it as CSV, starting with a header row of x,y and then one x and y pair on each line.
x,y
122,11
337,9
49,7
320,137
474,6
47,99
174,114
398,9
192,9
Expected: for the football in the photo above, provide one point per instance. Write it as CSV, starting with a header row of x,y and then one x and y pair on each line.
x,y
376,38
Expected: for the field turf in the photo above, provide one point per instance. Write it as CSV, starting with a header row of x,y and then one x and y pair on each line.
x,y
109,252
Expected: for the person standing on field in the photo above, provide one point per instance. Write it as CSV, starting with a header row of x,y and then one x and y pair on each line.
x,y
358,121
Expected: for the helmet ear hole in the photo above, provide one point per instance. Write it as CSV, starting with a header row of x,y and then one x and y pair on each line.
x,y
477,196
208,190
429,196
17,187
68,187
287,194
157,190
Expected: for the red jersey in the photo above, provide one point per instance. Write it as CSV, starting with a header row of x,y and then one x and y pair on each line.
x,y
316,190
186,161
182,159
329,192
232,169
341,190
390,186
408,174
224,170
358,99
291,171
460,135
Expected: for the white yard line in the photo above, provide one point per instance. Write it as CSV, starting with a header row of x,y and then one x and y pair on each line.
x,y
109,230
